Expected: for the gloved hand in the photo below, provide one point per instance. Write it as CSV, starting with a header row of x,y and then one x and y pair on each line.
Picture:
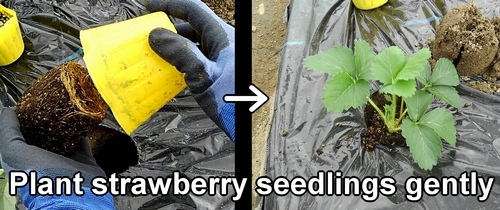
x,y
18,156
209,72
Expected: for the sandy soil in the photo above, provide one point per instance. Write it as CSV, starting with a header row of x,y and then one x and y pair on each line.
x,y
268,36
223,8
472,42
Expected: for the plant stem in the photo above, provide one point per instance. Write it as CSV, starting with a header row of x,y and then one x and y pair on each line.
x,y
401,116
394,130
401,107
394,108
378,109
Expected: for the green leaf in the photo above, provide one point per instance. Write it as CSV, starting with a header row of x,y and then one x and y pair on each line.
x,y
425,75
363,56
414,65
442,122
343,92
424,143
444,73
387,64
404,88
417,104
448,94
332,61
388,111
388,98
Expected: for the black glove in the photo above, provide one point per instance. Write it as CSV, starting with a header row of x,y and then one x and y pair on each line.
x,y
209,72
19,156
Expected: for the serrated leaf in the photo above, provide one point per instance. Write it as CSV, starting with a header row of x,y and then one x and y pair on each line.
x,y
403,88
388,111
442,122
342,93
332,61
363,56
444,73
414,65
388,98
424,143
447,94
417,104
425,75
387,64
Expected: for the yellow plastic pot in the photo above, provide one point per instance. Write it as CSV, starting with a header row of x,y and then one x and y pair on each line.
x,y
368,4
133,80
11,40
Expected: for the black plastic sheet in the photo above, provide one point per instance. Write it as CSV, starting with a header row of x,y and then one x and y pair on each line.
x,y
315,26
179,137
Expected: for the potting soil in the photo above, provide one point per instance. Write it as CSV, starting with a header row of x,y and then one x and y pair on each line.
x,y
179,137
387,177
60,108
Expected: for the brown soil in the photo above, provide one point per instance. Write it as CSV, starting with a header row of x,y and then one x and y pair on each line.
x,y
268,37
487,87
471,41
223,8
57,111
376,129
4,17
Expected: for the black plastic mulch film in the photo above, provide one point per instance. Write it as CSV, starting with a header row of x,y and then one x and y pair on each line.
x,y
315,26
178,137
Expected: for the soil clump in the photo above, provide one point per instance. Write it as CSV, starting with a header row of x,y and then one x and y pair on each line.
x,y
4,17
471,41
56,112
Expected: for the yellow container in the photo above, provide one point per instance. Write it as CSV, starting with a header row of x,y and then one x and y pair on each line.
x,y
11,40
133,80
368,4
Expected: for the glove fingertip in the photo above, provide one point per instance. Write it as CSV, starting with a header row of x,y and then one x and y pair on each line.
x,y
181,53
154,5
157,37
167,44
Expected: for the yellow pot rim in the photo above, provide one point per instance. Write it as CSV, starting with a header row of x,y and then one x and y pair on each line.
x,y
11,40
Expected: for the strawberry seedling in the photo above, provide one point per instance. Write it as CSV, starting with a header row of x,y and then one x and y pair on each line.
x,y
398,73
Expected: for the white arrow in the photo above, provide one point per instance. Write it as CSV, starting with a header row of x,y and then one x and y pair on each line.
x,y
260,98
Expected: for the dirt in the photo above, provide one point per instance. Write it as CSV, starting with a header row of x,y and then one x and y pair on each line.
x,y
376,130
56,111
268,37
4,17
487,87
223,8
471,41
